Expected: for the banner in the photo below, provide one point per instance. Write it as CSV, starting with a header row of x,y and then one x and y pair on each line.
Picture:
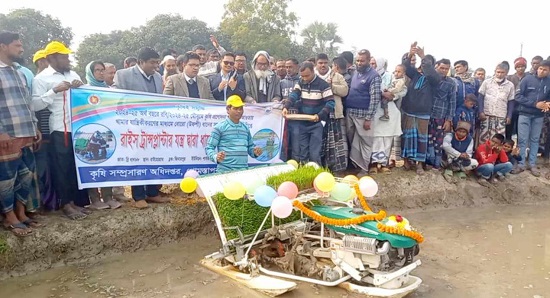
x,y
123,138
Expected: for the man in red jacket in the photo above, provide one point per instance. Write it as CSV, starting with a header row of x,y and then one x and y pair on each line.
x,y
493,161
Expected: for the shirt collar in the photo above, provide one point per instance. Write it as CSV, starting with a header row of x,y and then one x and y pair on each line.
x,y
188,79
143,73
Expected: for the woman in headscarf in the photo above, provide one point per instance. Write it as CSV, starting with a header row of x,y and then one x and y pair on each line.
x,y
381,65
95,76
385,132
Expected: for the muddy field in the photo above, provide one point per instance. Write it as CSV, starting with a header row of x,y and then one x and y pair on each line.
x,y
469,252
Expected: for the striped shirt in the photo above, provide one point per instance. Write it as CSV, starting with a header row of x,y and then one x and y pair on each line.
x,y
16,114
233,139
313,98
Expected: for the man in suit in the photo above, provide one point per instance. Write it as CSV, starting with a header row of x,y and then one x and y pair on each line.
x,y
143,77
188,83
227,82
262,85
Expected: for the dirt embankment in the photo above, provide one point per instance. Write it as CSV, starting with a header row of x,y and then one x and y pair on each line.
x,y
108,233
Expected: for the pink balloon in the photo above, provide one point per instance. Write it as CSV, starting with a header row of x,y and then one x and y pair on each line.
x,y
281,207
288,189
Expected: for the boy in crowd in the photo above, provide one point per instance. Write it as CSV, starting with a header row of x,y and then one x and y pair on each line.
x,y
513,154
396,87
458,148
493,161
466,112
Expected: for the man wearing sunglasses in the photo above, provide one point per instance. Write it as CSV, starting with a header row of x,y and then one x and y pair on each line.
x,y
226,83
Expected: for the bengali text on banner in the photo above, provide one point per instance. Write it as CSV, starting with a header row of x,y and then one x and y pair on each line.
x,y
124,138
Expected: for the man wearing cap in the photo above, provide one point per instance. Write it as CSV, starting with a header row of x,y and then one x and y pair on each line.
x,y
169,65
231,142
520,64
262,85
51,91
458,148
40,61
17,134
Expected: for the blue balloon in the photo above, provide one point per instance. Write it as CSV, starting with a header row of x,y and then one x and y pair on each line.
x,y
264,195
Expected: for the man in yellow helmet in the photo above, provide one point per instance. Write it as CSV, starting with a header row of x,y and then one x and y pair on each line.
x,y
40,61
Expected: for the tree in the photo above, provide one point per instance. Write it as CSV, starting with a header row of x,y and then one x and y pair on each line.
x,y
321,38
112,48
162,32
173,31
36,30
254,25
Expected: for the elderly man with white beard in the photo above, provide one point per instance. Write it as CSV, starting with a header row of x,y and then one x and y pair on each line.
x,y
262,85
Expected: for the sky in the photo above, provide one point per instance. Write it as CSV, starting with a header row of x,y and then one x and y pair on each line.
x,y
484,33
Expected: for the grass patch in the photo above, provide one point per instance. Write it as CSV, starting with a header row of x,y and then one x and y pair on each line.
x,y
4,248
248,216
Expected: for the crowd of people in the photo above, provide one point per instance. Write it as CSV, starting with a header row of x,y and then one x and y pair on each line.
x,y
345,112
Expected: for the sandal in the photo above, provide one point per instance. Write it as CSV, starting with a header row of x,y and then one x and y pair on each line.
x,y
33,223
19,229
373,170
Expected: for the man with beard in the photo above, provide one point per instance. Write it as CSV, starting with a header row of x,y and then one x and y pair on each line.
x,y
362,101
169,65
18,132
51,91
262,85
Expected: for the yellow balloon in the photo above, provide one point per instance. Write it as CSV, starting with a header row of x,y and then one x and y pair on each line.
x,y
234,190
293,163
325,182
188,184
350,179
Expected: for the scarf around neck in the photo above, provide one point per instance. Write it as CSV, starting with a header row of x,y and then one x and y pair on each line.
x,y
466,77
325,77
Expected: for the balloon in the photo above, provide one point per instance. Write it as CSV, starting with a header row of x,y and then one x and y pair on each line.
x,y
368,187
322,194
325,181
188,184
288,189
281,207
264,195
191,173
351,179
234,190
293,163
341,192
252,184
312,164
365,178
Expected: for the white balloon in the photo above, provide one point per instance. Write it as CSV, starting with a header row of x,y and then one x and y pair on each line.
x,y
312,164
368,187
